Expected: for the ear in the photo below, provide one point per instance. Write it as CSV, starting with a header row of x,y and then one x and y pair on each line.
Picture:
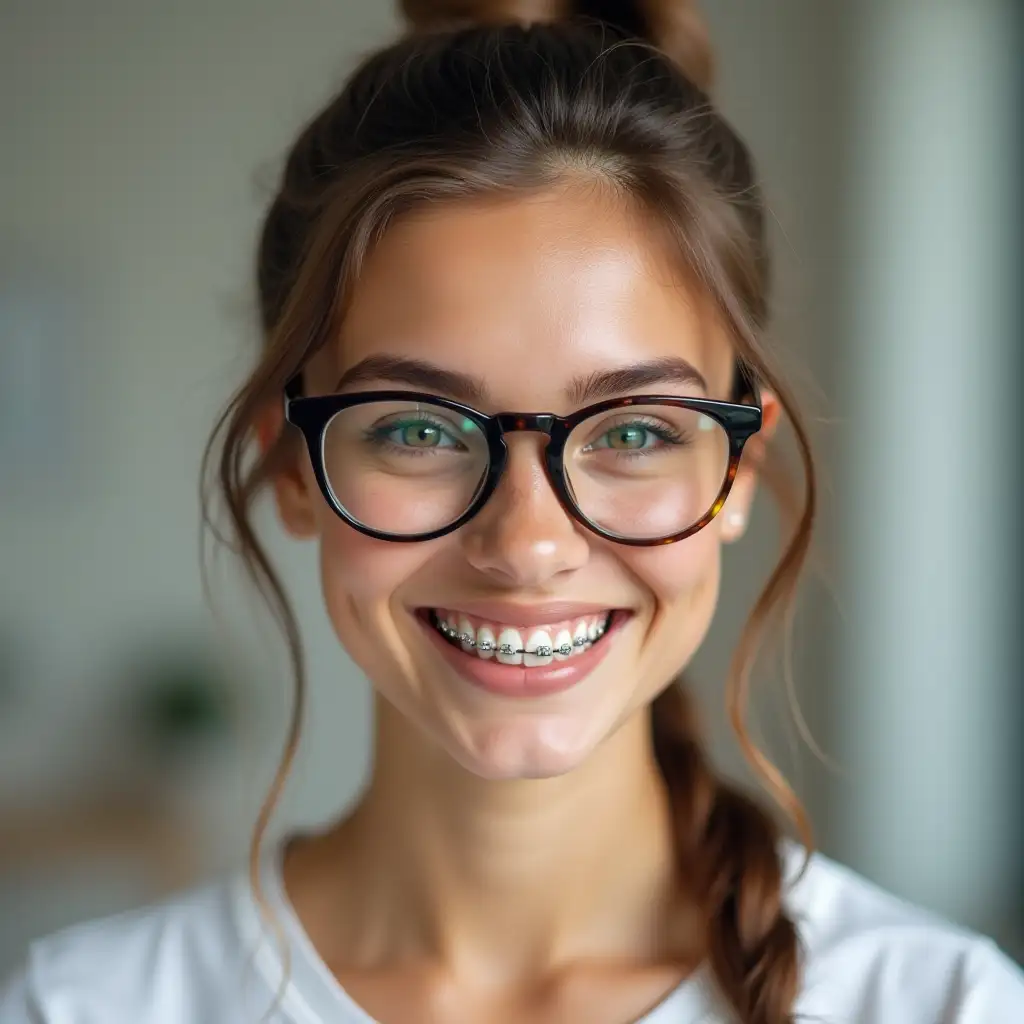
x,y
295,491
735,514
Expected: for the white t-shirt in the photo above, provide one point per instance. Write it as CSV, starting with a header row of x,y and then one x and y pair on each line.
x,y
203,958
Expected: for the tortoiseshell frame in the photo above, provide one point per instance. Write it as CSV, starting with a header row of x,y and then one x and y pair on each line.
x,y
740,420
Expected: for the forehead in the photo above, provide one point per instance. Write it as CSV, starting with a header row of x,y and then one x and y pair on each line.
x,y
528,292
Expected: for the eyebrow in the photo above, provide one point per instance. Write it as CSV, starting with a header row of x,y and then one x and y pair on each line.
x,y
419,374
612,383
465,388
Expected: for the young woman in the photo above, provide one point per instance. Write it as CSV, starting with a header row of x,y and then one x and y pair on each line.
x,y
514,290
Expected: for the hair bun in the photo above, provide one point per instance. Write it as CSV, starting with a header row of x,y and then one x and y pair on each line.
x,y
676,27
432,14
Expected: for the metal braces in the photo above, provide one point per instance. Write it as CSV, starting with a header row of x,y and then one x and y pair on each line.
x,y
541,652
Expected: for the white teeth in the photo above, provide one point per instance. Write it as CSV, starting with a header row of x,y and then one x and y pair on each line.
x,y
509,648
485,642
563,640
579,639
539,649
510,642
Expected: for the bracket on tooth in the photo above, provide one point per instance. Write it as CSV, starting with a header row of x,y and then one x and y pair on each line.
x,y
541,652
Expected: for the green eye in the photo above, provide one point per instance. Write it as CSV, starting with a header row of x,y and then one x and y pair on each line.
x,y
628,437
419,435
414,435
637,436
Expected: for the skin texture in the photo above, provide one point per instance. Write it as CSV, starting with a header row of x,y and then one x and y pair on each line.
x,y
482,875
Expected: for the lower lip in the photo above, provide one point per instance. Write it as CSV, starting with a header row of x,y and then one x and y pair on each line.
x,y
516,681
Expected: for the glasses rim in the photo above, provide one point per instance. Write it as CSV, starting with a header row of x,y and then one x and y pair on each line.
x,y
312,414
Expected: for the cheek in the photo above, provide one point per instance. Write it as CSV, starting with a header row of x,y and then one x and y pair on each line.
x,y
364,569
683,579
358,572
679,574
360,577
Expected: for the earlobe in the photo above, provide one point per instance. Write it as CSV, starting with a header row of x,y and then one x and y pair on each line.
x,y
734,524
295,504
736,513
293,493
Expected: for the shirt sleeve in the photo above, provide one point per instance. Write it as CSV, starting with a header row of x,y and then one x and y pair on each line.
x,y
992,990
18,1003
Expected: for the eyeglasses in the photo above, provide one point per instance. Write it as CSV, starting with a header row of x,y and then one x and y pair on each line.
x,y
407,466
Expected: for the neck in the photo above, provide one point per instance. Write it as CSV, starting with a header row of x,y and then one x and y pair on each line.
x,y
524,874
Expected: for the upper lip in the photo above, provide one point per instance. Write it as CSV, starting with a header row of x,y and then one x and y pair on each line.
x,y
527,614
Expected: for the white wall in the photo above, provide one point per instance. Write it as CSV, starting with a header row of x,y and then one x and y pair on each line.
x,y
929,702
137,144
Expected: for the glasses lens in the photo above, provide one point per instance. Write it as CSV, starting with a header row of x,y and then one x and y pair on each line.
x,y
404,468
647,472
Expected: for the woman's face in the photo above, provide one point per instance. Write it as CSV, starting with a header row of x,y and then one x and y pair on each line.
x,y
530,299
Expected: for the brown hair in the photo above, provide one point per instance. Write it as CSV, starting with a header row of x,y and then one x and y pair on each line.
x,y
498,98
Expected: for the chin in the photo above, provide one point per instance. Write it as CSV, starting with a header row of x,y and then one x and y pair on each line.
x,y
523,747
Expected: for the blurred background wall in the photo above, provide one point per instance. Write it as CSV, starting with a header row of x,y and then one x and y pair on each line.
x,y
138,145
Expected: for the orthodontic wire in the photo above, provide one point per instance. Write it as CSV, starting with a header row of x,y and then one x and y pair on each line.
x,y
541,652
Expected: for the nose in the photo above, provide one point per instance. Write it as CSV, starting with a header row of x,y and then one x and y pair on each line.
x,y
523,537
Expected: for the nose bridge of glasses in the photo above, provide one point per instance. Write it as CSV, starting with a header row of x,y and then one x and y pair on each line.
x,y
536,422
545,423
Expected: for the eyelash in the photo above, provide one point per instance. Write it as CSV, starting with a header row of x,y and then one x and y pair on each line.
x,y
660,430
379,436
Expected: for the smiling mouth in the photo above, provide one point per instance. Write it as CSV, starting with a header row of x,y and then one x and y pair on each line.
x,y
530,648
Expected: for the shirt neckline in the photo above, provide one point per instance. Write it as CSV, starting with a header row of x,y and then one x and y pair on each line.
x,y
313,995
